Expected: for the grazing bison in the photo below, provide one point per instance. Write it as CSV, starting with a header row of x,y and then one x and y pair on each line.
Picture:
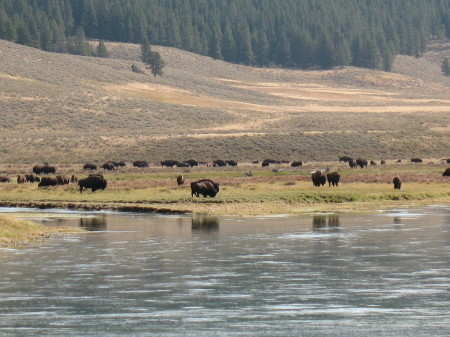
x,y
46,169
62,180
446,173
169,163
345,159
361,162
333,179
4,179
416,160
231,162
180,180
31,178
383,162
297,163
373,162
352,163
397,183
119,164
448,161
109,165
48,181
191,162
267,162
21,179
73,178
205,187
140,163
219,162
94,182
89,166
318,179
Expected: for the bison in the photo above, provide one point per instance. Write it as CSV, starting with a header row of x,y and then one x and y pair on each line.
x,y
205,187
191,162
397,183
46,169
4,179
446,173
89,166
345,159
31,178
231,162
352,163
169,163
180,180
93,181
296,163
62,180
219,162
333,179
318,179
361,162
140,163
21,179
109,165
48,181
416,160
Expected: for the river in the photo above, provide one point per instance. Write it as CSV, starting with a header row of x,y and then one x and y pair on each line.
x,y
382,274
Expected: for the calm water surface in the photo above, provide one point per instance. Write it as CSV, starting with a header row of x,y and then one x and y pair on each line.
x,y
384,274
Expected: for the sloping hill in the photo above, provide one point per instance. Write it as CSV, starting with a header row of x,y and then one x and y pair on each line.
x,y
66,109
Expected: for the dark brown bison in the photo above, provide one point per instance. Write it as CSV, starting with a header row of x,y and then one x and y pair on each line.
x,y
333,179
231,162
89,166
446,173
361,162
93,181
383,162
352,163
109,165
296,163
46,169
180,180
31,178
191,162
140,163
318,179
219,162
448,161
21,179
169,163
205,187
62,180
373,162
416,160
48,181
73,178
397,183
4,179
119,164
345,159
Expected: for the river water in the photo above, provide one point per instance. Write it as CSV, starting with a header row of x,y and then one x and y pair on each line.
x,y
383,274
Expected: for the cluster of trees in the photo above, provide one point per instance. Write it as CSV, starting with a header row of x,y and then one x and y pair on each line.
x,y
288,33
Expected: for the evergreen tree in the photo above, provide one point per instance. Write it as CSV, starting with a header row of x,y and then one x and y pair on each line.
x,y
445,66
101,50
156,63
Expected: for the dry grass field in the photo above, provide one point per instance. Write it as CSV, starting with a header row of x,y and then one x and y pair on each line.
x,y
68,109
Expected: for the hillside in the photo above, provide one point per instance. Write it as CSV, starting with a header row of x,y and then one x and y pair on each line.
x,y
72,109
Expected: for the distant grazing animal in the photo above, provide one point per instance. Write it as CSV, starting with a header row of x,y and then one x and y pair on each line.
x,y
397,183
345,159
383,162
183,164
73,178
180,180
231,162
46,169
21,179
205,187
352,163
361,162
219,162
93,181
266,162
333,179
169,163
446,173
373,162
48,181
191,162
399,161
89,166
318,179
416,160
62,180
31,178
119,164
448,161
109,165
296,163
4,179
140,163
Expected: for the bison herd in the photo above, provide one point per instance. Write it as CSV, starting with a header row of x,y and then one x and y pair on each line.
x,y
204,187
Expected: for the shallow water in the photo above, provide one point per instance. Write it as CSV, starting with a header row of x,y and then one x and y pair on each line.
x,y
384,274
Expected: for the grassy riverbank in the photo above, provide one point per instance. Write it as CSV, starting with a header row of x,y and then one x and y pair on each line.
x,y
287,191
17,232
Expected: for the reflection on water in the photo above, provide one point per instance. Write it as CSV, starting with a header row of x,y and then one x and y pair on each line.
x,y
205,223
385,274
97,223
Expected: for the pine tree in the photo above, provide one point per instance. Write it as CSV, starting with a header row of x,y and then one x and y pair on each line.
x,y
101,50
446,66
156,63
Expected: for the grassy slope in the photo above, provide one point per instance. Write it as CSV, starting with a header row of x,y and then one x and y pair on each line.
x,y
71,109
